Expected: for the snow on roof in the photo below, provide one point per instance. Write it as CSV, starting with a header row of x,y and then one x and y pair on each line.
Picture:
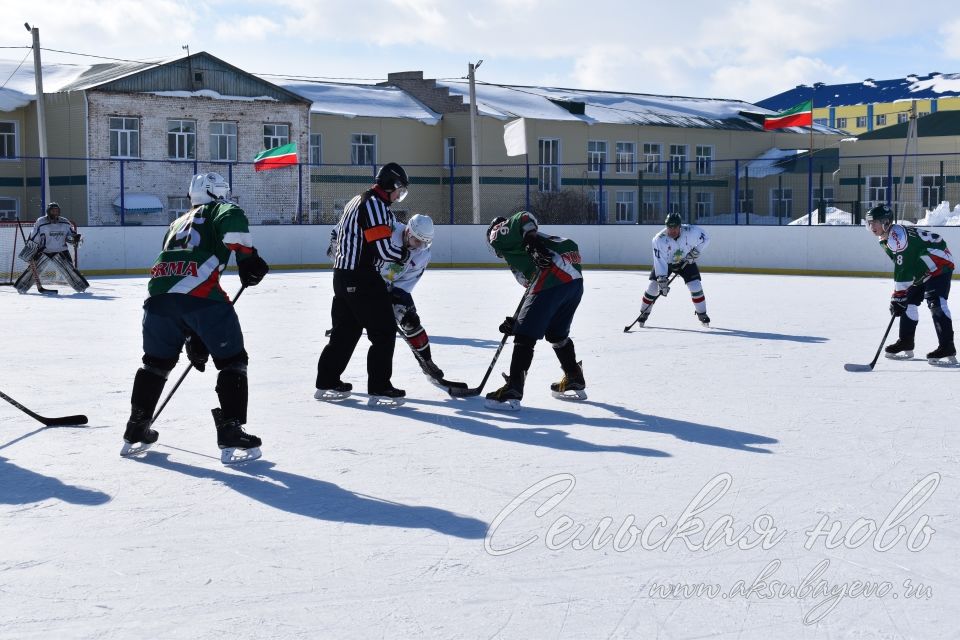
x,y
208,93
507,102
943,83
354,100
912,87
768,163
21,88
11,100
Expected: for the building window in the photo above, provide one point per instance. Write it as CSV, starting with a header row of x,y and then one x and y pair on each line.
x,y
625,206
652,156
450,151
921,114
861,122
931,191
704,204
880,119
626,155
549,155
181,139
678,202
678,158
596,155
704,160
902,117
124,137
652,205
876,190
746,201
316,149
823,122
827,197
9,209
841,123
223,141
8,140
177,206
598,204
781,202
275,135
363,149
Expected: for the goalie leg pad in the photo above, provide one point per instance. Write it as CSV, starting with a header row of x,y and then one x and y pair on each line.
x,y
69,272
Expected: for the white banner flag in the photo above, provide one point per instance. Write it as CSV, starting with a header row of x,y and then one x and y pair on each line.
x,y
515,137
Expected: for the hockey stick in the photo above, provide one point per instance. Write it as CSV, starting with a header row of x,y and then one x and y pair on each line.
x,y
442,382
188,369
627,328
33,267
47,422
458,392
869,367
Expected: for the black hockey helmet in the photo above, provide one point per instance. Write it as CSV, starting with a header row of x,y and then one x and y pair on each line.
x,y
52,206
492,224
673,220
392,176
880,213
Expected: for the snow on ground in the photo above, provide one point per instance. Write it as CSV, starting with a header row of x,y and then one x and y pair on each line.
x,y
442,519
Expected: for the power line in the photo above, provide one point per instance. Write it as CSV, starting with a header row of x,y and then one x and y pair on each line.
x,y
17,69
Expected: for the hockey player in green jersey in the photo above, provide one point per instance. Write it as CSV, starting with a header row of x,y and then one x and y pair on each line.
x,y
186,304
922,270
549,267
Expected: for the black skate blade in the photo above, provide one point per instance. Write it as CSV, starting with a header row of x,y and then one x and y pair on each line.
x,y
858,367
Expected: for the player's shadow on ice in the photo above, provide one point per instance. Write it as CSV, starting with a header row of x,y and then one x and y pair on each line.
x,y
738,333
313,498
533,431
464,342
22,486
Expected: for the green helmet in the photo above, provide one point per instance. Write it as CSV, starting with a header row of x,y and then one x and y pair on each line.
x,y
673,220
880,213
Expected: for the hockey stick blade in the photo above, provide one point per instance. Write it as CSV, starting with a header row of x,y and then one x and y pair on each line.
x,y
463,392
76,420
858,367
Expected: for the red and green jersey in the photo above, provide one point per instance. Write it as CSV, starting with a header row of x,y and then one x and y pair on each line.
x,y
196,249
916,254
506,239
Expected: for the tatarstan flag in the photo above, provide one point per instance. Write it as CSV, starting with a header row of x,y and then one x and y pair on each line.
x,y
798,116
282,156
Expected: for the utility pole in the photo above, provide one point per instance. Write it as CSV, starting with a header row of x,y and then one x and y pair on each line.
x,y
474,149
41,118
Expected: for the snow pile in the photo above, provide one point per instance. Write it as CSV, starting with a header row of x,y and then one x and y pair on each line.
x,y
834,216
942,216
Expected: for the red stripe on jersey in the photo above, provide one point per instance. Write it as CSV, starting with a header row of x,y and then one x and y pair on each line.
x,y
378,232
239,248
203,291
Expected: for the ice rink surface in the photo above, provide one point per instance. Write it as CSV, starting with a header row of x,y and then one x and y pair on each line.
x,y
683,499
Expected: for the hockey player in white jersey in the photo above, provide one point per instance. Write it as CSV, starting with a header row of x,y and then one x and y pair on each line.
x,y
675,251
47,247
402,277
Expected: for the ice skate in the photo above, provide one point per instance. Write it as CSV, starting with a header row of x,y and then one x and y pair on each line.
x,y
506,398
432,371
138,437
943,356
899,350
703,318
236,445
571,387
642,319
339,391
386,397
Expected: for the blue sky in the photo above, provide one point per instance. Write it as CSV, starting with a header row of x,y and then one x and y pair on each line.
x,y
746,49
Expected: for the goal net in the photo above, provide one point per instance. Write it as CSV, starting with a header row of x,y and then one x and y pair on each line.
x,y
11,266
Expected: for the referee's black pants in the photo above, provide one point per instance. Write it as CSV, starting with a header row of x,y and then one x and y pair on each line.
x,y
360,301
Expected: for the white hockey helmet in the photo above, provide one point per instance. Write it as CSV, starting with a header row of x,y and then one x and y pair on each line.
x,y
207,187
421,227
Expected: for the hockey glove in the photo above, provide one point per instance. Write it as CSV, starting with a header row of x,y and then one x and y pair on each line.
x,y
197,352
73,238
662,282
252,269
539,253
507,326
692,256
898,304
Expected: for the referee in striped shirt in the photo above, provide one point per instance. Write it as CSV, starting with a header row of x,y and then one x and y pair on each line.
x,y
360,296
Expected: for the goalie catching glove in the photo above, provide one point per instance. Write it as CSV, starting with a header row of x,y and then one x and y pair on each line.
x,y
252,269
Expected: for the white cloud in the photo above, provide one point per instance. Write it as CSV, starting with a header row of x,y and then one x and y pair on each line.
x,y
950,42
247,29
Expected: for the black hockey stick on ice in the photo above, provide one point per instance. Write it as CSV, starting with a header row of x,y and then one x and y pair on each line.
x,y
457,392
187,370
627,328
47,422
869,367
442,382
33,266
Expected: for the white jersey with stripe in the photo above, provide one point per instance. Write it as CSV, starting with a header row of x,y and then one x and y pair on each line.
x,y
667,251
51,233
